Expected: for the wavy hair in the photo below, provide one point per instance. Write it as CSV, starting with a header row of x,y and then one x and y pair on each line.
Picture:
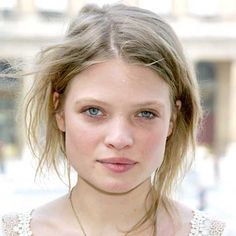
x,y
136,36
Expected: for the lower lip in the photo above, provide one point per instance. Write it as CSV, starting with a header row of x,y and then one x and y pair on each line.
x,y
118,168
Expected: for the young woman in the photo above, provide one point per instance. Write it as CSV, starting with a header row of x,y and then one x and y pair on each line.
x,y
116,101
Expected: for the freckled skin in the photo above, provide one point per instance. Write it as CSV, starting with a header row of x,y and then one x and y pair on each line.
x,y
107,113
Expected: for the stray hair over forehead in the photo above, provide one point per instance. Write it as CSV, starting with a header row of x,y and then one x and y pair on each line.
x,y
131,34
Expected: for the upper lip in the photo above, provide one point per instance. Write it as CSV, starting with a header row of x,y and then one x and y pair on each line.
x,y
117,160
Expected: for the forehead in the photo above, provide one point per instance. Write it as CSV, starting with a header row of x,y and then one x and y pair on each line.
x,y
115,77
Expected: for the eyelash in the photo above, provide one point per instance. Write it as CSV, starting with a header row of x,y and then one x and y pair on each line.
x,y
87,111
151,116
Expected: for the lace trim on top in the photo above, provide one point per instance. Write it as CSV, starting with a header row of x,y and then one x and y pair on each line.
x,y
202,225
17,225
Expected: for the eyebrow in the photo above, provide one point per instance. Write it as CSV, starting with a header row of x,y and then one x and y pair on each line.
x,y
142,104
92,100
150,103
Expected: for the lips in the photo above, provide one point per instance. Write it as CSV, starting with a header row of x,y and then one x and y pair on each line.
x,y
118,160
117,164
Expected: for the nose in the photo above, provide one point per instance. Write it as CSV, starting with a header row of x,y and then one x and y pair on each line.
x,y
119,135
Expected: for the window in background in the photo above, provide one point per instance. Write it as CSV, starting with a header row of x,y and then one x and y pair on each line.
x,y
206,75
52,8
9,87
202,8
8,4
159,6
7,7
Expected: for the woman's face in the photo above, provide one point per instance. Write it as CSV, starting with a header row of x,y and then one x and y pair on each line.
x,y
116,120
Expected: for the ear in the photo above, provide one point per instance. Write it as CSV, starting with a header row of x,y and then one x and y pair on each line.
x,y
178,105
171,125
59,115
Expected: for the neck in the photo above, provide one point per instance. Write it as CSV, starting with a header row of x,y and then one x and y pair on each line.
x,y
105,209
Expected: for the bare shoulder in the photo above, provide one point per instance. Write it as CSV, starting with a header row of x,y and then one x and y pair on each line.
x,y
174,219
182,218
52,208
51,217
185,213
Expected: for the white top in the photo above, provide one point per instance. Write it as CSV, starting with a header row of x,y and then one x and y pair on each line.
x,y
201,225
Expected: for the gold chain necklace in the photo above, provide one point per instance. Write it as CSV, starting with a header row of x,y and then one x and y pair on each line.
x,y
75,213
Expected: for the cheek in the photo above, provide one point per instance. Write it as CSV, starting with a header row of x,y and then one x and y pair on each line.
x,y
155,142
154,145
79,138
80,144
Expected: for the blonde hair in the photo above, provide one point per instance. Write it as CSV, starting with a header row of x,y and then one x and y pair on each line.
x,y
136,36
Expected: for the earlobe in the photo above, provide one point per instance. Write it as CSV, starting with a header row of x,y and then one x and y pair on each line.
x,y
59,115
170,129
60,120
178,105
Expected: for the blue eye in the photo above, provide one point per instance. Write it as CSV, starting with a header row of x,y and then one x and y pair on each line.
x,y
147,115
93,111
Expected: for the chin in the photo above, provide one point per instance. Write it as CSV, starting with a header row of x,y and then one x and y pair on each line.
x,y
118,188
114,187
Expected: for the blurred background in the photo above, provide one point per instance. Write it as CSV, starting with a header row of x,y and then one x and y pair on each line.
x,y
207,29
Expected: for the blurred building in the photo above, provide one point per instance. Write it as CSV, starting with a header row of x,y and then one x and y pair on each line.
x,y
206,28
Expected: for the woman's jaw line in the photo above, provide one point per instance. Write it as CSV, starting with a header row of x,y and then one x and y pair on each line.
x,y
110,193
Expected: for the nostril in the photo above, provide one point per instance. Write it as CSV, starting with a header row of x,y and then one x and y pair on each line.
x,y
119,143
119,134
